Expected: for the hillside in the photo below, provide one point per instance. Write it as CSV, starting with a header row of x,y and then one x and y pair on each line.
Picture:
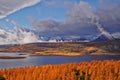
x,y
95,70
68,48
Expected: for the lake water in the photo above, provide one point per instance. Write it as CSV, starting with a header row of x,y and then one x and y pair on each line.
x,y
43,60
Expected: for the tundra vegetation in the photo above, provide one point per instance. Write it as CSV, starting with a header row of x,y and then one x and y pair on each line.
x,y
94,70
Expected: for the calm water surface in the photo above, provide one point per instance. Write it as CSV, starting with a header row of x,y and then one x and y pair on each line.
x,y
43,60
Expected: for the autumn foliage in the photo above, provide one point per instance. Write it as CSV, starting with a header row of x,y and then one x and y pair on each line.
x,y
95,70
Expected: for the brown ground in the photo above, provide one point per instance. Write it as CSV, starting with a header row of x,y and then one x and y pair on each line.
x,y
111,47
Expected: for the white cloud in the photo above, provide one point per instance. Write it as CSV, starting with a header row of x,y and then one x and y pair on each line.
x,y
8,7
75,24
116,35
18,36
81,13
81,21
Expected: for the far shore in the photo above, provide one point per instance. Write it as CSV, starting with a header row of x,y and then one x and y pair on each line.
x,y
9,57
53,54
72,54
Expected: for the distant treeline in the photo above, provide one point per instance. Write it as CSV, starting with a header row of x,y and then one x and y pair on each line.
x,y
95,70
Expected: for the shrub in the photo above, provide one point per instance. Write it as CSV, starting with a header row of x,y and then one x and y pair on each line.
x,y
2,78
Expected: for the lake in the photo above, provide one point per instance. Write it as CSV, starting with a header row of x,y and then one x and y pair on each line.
x,y
32,60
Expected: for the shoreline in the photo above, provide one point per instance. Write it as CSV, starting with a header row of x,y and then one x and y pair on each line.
x,y
52,64
54,54
76,54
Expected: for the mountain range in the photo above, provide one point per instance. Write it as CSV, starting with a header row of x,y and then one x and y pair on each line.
x,y
23,36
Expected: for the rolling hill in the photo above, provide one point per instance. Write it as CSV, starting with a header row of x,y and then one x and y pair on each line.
x,y
68,48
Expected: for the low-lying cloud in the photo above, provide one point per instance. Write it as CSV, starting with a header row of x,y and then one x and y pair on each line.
x,y
18,35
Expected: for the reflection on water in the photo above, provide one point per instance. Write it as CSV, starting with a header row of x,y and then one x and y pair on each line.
x,y
43,60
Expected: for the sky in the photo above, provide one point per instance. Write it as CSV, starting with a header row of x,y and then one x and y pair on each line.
x,y
43,10
43,19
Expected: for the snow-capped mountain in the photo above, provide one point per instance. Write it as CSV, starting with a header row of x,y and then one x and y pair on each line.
x,y
101,38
